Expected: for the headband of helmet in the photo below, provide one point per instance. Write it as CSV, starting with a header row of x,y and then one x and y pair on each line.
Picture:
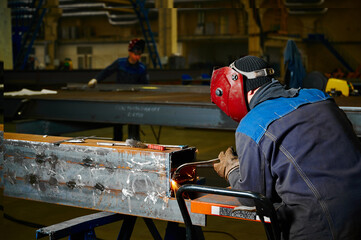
x,y
257,71
136,45
229,85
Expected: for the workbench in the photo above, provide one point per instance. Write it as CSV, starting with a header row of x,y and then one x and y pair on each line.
x,y
162,105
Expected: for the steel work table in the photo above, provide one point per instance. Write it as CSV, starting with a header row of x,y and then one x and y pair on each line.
x,y
168,106
163,105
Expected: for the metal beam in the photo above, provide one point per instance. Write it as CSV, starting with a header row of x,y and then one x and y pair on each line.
x,y
126,180
76,225
184,109
147,105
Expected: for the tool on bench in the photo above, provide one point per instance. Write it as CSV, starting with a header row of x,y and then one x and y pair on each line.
x,y
162,146
175,146
78,140
133,143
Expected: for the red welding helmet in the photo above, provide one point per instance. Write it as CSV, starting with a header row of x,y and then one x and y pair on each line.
x,y
136,45
227,92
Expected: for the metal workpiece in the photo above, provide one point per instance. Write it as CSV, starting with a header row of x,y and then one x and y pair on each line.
x,y
78,225
119,179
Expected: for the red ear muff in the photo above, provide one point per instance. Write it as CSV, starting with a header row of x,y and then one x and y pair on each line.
x,y
227,92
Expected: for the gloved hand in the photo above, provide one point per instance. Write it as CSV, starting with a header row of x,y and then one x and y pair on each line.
x,y
92,83
228,163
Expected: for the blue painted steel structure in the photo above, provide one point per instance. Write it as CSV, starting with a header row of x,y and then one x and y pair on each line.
x,y
27,17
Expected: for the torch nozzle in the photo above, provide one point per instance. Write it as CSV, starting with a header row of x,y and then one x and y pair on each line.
x,y
194,164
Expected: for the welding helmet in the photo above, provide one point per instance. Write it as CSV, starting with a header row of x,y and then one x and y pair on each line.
x,y
136,45
229,85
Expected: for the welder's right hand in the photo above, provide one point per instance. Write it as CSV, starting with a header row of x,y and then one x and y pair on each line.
x,y
92,83
228,163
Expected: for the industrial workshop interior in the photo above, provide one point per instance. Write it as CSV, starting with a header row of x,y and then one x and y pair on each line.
x,y
83,158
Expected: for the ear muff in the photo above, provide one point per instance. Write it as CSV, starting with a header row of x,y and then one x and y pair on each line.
x,y
227,92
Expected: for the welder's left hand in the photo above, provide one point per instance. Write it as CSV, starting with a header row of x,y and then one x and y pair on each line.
x,y
228,163
92,83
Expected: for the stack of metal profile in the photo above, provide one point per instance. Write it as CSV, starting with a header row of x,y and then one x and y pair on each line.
x,y
120,179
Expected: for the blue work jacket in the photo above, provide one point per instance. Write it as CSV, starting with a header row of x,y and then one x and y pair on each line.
x,y
302,153
126,73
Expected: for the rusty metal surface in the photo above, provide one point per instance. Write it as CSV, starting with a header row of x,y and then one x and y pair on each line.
x,y
118,179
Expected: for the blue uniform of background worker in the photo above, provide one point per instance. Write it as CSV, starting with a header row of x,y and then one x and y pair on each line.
x,y
294,146
129,71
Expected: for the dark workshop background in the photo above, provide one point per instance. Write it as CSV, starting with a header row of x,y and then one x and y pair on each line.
x,y
73,40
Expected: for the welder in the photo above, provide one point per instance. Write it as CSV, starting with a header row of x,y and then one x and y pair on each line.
x,y
294,146
129,70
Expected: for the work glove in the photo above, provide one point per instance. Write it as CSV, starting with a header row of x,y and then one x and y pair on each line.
x,y
92,83
228,163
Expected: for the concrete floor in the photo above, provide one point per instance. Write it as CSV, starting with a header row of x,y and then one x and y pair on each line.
x,y
208,142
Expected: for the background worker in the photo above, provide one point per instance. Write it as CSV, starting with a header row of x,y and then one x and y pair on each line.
x,y
129,71
294,146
